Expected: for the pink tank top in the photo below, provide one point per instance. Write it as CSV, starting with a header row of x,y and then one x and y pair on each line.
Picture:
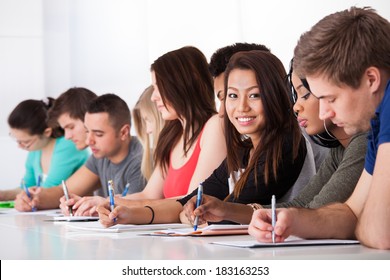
x,y
178,180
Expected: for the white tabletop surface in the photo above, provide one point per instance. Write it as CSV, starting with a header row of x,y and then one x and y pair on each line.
x,y
31,237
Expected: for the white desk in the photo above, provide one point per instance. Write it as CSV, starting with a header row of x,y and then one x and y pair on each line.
x,y
29,237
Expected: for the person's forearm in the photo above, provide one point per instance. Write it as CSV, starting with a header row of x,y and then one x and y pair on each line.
x,y
135,203
333,221
374,233
49,198
239,213
144,195
140,202
165,212
373,228
9,194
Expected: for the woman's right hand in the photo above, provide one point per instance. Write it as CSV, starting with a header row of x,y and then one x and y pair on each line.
x,y
211,210
120,215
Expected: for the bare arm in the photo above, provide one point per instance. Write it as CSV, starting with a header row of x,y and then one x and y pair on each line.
x,y
9,194
153,189
213,151
373,227
82,182
214,210
332,221
81,186
335,220
167,211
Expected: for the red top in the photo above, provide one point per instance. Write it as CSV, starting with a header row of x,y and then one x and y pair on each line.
x,y
178,181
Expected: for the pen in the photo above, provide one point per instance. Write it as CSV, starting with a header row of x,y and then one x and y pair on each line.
x,y
124,193
28,194
198,202
111,194
64,187
273,209
39,180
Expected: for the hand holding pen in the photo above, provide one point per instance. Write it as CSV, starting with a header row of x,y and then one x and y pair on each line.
x,y
111,194
66,194
24,186
198,202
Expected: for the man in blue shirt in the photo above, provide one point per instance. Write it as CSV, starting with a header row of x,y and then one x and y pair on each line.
x,y
345,58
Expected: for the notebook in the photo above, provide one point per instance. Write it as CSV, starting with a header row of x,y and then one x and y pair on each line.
x,y
289,242
74,219
211,230
98,227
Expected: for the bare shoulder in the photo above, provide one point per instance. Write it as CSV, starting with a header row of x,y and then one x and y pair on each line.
x,y
213,133
214,125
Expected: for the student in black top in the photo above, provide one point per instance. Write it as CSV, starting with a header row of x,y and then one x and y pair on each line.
x,y
263,137
272,145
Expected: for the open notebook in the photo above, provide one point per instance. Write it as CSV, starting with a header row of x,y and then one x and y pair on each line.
x,y
206,231
97,227
291,241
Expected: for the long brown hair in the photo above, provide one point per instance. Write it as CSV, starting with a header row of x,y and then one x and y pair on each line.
x,y
184,82
278,115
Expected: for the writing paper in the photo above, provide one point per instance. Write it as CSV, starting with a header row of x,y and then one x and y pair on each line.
x,y
289,242
97,226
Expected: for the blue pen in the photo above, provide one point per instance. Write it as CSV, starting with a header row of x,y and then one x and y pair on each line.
x,y
124,193
39,180
111,194
198,202
28,194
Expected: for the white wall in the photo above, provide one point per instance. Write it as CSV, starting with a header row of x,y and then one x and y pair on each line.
x,y
47,46
21,74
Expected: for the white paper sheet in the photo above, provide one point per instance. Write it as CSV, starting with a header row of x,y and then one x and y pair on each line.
x,y
291,241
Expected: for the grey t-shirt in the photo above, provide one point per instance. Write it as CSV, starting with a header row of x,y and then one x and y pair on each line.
x,y
337,177
127,171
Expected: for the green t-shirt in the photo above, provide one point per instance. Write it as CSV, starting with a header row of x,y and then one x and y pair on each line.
x,y
66,159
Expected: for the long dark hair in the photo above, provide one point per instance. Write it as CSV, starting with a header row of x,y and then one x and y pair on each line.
x,y
32,115
325,139
184,82
279,121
